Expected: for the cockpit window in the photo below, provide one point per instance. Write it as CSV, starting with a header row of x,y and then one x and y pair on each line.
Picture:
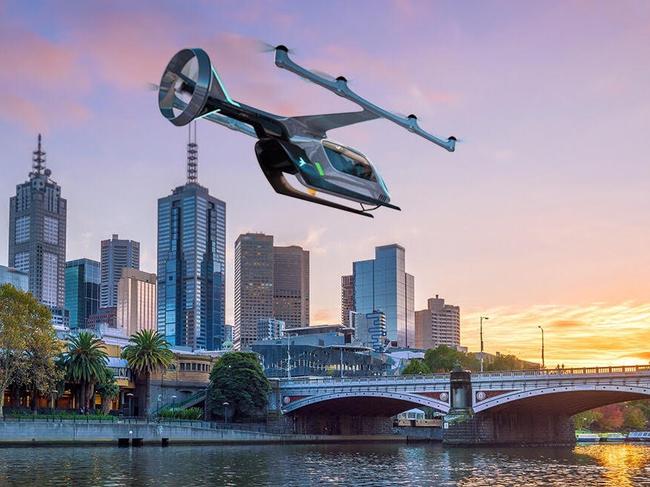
x,y
349,162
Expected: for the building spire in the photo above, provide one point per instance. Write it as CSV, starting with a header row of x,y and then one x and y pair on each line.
x,y
38,159
192,157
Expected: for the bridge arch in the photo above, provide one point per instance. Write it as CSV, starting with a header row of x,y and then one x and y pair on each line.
x,y
570,399
365,403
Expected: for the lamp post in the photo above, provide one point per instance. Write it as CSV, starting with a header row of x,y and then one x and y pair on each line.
x,y
130,396
173,402
225,411
542,330
481,333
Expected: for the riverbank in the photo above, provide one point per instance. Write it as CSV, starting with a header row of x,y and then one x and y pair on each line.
x,y
93,432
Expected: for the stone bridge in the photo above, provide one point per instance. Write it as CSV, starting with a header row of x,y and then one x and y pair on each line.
x,y
533,406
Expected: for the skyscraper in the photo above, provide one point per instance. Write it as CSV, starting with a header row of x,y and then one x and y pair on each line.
x,y
439,324
192,262
291,286
382,284
136,301
117,254
347,299
18,279
82,279
253,286
37,230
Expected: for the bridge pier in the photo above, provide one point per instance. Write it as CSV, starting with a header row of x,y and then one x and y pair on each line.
x,y
511,428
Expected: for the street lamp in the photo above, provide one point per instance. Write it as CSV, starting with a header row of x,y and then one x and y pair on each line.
x,y
542,330
225,411
130,396
481,333
173,402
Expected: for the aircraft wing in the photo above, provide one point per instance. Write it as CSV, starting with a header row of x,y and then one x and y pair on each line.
x,y
340,87
319,124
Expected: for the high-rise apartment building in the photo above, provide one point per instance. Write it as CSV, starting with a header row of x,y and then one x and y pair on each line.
x,y
37,233
136,301
382,284
117,254
11,275
291,286
82,280
253,286
439,324
192,263
347,299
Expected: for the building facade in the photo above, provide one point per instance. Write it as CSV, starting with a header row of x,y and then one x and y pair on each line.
x,y
291,286
347,299
253,286
136,301
270,329
370,330
18,279
82,280
37,235
382,284
439,324
116,255
192,264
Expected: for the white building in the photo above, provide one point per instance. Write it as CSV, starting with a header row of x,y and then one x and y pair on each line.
x,y
136,301
439,324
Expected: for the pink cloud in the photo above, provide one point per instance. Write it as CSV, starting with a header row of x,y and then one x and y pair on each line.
x,y
24,111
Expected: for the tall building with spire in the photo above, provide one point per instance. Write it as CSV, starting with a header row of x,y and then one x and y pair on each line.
x,y
191,262
37,232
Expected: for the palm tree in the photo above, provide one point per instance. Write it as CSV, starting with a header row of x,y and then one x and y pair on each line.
x,y
146,353
85,364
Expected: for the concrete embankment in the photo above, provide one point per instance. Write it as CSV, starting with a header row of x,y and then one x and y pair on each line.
x,y
16,433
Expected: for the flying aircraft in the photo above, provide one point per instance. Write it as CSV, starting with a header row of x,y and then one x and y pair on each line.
x,y
191,89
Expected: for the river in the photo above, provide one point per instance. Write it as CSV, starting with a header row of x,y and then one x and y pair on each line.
x,y
346,464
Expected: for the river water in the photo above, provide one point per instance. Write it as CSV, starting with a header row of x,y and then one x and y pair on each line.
x,y
303,465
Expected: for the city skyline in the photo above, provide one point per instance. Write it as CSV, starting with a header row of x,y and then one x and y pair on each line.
x,y
524,232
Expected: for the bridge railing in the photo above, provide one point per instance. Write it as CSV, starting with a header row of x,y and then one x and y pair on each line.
x,y
623,369
374,378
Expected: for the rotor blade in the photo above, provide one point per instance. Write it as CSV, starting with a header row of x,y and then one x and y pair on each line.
x,y
340,87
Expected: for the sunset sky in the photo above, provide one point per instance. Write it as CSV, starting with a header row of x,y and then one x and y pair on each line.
x,y
541,216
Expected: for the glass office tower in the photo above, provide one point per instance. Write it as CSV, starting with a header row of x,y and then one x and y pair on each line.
x,y
192,264
382,284
82,281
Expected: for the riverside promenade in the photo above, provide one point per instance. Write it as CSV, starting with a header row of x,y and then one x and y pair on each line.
x,y
32,432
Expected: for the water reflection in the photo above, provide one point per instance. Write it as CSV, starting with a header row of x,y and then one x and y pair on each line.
x,y
299,465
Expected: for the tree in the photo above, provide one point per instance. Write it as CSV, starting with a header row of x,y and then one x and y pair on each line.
x,y
85,361
588,420
108,389
633,418
416,367
20,316
237,378
612,417
444,358
41,375
146,353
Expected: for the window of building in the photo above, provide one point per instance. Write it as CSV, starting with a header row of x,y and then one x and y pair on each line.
x,y
22,229
51,230
21,261
50,278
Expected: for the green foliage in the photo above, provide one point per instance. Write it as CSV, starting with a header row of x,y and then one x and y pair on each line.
x,y
634,419
444,358
237,378
61,415
416,367
587,420
177,413
23,323
85,364
108,389
507,362
147,352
